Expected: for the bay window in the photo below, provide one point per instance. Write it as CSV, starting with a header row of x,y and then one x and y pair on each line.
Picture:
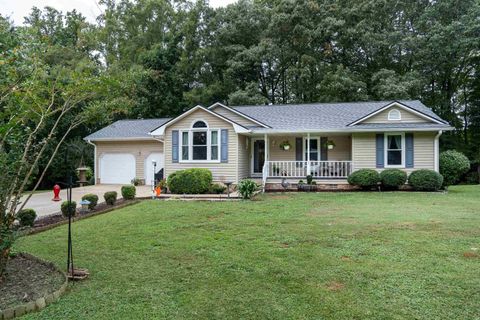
x,y
199,143
394,149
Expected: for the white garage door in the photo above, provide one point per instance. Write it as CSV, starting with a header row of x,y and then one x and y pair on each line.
x,y
117,168
158,157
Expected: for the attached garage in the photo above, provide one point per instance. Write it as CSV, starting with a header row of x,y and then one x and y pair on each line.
x,y
117,168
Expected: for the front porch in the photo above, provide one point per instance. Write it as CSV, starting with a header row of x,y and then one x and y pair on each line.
x,y
293,157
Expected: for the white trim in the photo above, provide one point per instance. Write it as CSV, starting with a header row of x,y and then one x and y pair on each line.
x,y
306,146
397,117
385,147
218,104
190,145
197,120
125,139
436,151
160,131
94,161
353,129
400,105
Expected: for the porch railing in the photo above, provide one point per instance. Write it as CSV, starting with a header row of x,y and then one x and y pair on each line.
x,y
300,169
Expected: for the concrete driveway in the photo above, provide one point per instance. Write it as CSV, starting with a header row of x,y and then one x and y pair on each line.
x,y
42,202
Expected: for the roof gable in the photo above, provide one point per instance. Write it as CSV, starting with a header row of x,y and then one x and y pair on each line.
x,y
159,131
408,114
236,115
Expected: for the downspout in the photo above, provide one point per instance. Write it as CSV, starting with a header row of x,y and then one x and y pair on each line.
x,y
437,151
94,161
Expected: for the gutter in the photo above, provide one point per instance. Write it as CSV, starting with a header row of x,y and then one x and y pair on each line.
x,y
94,160
436,150
345,130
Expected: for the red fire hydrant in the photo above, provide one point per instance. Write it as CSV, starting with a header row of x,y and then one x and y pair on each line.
x,y
56,193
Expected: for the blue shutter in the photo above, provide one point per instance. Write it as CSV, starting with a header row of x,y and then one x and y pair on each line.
x,y
380,146
224,142
323,148
299,149
174,146
409,150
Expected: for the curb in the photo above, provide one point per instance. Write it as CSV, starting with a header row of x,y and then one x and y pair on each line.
x,y
41,302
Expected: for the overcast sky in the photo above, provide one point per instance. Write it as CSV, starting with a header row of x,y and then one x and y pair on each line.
x,y
18,9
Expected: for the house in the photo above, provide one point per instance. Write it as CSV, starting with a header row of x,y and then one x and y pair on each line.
x,y
326,140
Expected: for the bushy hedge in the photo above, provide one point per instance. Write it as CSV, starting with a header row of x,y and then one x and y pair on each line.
x,y
246,188
425,180
472,178
26,217
93,198
393,178
110,197
364,178
190,181
217,188
453,165
129,192
68,209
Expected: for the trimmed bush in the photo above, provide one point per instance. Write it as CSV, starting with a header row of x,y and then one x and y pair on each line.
x,y
217,188
393,178
93,198
190,181
309,179
453,165
129,192
26,217
425,180
110,197
364,178
247,188
68,209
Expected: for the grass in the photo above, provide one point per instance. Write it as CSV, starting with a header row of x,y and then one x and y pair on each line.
x,y
285,256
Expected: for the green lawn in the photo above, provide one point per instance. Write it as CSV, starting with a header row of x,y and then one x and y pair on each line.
x,y
285,256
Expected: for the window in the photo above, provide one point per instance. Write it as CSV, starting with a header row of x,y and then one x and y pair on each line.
x,y
394,114
394,150
199,143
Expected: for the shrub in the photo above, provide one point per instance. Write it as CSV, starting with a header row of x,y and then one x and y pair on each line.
x,y
128,192
309,179
26,217
453,165
68,209
393,178
247,188
425,180
191,181
136,182
472,178
217,188
93,198
110,197
162,184
364,178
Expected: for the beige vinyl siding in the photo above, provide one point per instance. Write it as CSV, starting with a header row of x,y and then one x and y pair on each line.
x,y
342,150
278,154
221,172
364,151
406,116
139,149
243,157
234,117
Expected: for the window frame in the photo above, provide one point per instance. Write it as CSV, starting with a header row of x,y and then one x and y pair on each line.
x,y
390,118
305,147
386,149
190,132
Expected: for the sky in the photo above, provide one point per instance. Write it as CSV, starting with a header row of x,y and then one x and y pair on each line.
x,y
18,9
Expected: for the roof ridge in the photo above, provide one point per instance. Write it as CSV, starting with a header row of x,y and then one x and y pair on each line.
x,y
324,103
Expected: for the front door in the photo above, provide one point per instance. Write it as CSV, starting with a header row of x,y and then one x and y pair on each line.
x,y
258,153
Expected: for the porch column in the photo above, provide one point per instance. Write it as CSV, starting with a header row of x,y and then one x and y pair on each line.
x,y
267,155
308,154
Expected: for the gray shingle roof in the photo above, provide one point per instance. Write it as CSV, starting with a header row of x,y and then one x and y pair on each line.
x,y
322,116
127,129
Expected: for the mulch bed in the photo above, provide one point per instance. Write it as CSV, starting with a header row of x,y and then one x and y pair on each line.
x,y
27,280
50,221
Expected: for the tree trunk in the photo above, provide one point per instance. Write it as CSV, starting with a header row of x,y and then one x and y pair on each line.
x,y
3,261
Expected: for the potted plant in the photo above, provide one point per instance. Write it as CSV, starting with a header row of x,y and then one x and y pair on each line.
x,y
309,186
330,144
285,145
